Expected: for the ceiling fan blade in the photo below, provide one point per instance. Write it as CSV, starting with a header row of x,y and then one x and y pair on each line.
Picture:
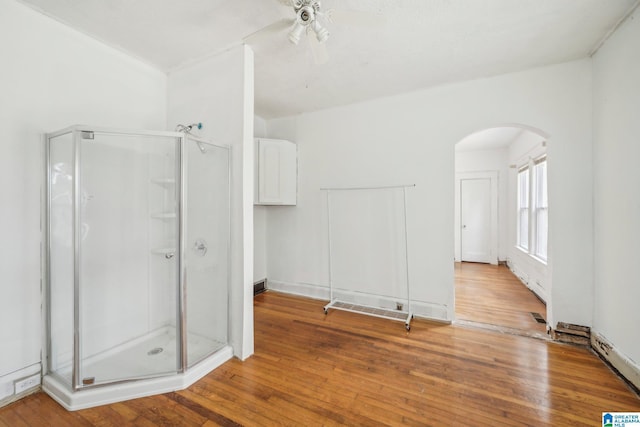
x,y
355,17
268,31
318,50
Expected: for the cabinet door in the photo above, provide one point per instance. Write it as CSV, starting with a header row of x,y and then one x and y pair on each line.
x,y
276,172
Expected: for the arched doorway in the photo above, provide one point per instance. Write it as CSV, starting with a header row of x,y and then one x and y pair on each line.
x,y
502,279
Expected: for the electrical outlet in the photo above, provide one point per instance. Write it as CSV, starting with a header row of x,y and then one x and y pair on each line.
x,y
26,383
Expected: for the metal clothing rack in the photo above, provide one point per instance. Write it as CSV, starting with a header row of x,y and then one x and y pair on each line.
x,y
385,313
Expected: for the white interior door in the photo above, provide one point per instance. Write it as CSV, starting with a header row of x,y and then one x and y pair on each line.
x,y
475,220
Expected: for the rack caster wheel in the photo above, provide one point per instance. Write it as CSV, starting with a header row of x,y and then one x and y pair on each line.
x,y
408,327
326,311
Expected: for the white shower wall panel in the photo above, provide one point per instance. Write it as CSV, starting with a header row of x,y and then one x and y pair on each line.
x,y
162,269
207,207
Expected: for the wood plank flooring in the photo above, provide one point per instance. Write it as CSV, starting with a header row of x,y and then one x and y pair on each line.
x,y
491,294
351,369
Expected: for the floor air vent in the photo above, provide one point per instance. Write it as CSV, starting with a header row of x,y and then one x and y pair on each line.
x,y
259,287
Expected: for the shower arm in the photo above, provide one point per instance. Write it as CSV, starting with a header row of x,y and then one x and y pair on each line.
x,y
187,130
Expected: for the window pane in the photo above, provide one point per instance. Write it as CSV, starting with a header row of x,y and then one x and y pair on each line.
x,y
523,229
541,209
541,184
523,209
523,188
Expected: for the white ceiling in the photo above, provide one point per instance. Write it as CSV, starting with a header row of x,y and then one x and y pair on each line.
x,y
417,44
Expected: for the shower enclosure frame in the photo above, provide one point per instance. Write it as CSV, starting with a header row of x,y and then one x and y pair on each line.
x,y
185,375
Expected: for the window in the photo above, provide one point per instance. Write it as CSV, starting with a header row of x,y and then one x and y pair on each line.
x,y
541,208
533,208
523,208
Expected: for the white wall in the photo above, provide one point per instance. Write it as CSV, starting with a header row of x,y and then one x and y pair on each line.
x,y
489,161
218,92
51,77
616,100
409,139
260,218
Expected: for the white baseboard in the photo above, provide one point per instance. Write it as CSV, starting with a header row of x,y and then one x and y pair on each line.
x,y
7,384
300,289
625,366
423,309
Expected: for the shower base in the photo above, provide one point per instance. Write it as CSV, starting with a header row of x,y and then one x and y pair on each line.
x,y
135,366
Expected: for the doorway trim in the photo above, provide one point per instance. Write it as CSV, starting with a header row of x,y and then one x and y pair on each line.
x,y
493,178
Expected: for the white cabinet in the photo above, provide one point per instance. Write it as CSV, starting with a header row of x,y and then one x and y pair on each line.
x,y
276,172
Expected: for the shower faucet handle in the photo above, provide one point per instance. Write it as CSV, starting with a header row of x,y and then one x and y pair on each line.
x,y
200,246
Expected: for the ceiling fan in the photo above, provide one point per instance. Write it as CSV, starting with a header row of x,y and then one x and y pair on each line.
x,y
310,20
308,15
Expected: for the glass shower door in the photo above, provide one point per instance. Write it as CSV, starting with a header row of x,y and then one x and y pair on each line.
x,y
206,249
127,236
60,255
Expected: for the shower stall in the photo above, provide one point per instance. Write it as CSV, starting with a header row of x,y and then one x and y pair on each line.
x,y
137,260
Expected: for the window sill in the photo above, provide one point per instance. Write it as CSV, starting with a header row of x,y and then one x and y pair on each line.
x,y
540,260
532,256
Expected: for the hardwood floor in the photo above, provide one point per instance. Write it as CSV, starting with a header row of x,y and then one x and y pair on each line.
x,y
351,369
491,294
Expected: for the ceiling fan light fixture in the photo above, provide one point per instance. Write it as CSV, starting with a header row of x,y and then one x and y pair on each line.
x,y
296,33
322,34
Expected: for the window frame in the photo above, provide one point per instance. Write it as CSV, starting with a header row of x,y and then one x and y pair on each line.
x,y
537,201
541,204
